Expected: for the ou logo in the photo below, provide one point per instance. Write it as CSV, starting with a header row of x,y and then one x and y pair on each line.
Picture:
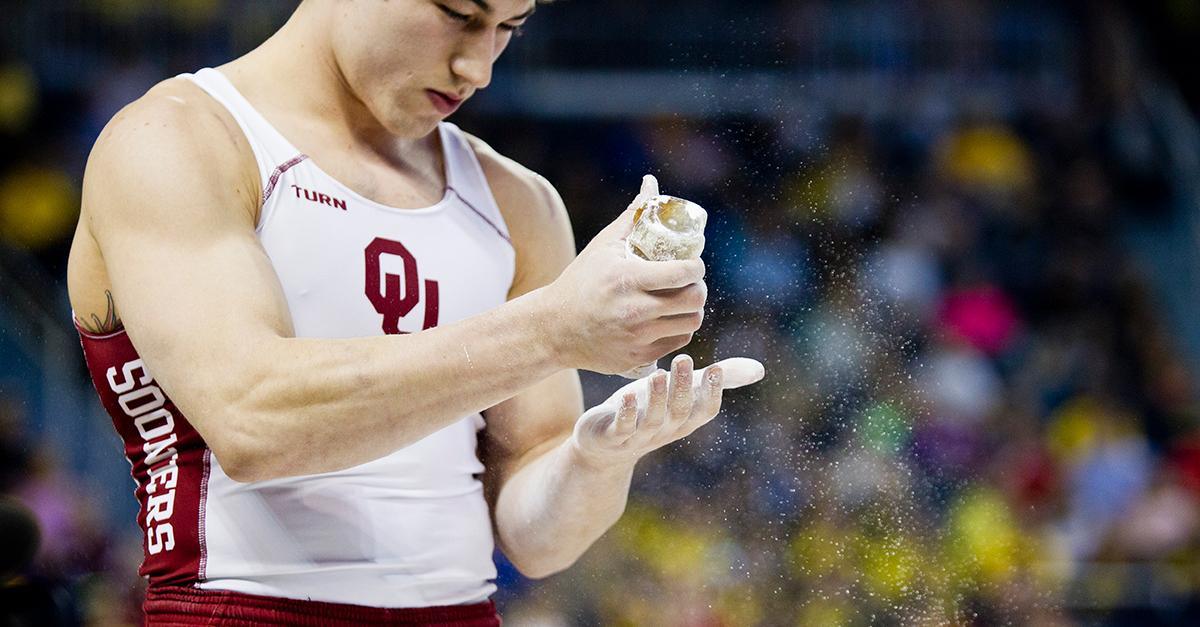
x,y
384,289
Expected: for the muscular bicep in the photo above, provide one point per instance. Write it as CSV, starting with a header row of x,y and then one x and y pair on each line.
x,y
169,199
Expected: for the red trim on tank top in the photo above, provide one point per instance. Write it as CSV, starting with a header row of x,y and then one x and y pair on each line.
x,y
480,214
203,565
278,172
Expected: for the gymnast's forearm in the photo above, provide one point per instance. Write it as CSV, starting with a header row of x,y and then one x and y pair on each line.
x,y
549,512
326,404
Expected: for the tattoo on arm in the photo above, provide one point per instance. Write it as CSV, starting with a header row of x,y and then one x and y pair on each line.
x,y
109,324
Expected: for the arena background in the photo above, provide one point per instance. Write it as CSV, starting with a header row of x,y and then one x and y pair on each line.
x,y
963,236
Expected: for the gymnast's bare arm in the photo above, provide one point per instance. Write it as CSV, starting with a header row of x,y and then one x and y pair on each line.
x,y
167,230
553,494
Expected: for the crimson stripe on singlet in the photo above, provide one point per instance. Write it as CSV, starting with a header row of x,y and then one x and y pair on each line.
x,y
480,214
278,172
166,458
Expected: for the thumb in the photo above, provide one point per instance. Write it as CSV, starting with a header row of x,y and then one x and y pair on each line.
x,y
619,228
601,414
623,225
649,189
737,372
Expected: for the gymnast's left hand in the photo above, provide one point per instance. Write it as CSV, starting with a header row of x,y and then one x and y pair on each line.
x,y
654,411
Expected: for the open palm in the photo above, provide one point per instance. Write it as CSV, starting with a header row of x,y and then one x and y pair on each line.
x,y
654,411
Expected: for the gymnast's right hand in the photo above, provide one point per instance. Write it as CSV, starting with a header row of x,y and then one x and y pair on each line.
x,y
613,312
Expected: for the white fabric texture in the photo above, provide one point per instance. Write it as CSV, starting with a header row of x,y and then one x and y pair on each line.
x,y
411,529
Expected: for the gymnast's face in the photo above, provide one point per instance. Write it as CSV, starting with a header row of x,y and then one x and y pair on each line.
x,y
412,62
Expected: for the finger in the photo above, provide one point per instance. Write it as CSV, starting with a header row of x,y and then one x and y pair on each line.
x,y
656,406
661,275
670,326
710,395
671,344
625,423
680,300
714,380
681,390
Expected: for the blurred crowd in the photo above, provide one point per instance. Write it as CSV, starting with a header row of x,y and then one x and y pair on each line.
x,y
974,412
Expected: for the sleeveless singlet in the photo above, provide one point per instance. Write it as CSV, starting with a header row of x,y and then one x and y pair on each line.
x,y
411,529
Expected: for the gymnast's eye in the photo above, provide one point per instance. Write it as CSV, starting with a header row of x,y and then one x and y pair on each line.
x,y
454,15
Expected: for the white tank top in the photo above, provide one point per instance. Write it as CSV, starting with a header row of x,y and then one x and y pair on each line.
x,y
411,529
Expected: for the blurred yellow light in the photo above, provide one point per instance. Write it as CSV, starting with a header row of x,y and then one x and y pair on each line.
x,y
38,207
18,97
991,157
